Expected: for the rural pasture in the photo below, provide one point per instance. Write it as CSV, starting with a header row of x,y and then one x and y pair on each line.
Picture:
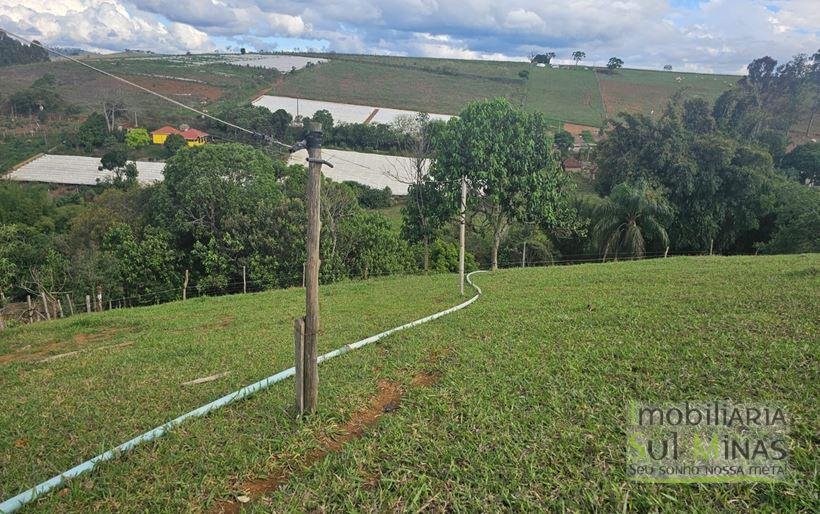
x,y
517,402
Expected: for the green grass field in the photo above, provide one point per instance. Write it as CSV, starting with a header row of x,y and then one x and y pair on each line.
x,y
566,95
642,91
381,83
516,403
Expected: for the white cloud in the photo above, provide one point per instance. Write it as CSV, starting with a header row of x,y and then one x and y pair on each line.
x,y
101,25
721,35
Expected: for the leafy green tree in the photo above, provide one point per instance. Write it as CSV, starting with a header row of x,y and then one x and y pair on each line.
x,y
796,220
92,132
145,267
564,141
578,56
114,158
544,58
324,117
805,159
370,247
137,138
424,215
224,201
630,215
613,64
511,172
173,144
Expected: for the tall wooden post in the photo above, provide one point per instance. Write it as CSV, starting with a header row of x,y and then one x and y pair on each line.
x,y
30,309
185,287
314,185
99,299
524,255
88,303
244,281
461,234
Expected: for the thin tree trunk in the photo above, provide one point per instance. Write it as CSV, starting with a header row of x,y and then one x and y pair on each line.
x,y
426,254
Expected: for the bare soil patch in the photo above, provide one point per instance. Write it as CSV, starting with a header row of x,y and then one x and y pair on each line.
x,y
386,400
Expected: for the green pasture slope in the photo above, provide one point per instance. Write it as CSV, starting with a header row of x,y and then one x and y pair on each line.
x,y
516,403
579,95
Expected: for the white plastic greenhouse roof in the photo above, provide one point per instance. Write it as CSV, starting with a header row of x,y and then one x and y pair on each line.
x,y
78,170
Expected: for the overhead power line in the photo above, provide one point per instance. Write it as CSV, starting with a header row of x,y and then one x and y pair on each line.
x,y
132,84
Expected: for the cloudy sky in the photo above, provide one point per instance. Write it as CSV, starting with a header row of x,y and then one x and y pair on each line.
x,y
709,35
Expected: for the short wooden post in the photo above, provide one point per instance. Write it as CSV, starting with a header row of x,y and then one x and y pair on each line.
x,y
524,256
60,308
30,309
99,299
461,233
70,304
244,281
666,252
109,305
299,351
185,287
88,303
711,246
45,305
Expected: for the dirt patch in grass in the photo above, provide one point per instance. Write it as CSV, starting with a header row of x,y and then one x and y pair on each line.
x,y
177,88
386,400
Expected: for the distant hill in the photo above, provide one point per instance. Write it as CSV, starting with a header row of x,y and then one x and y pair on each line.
x,y
14,52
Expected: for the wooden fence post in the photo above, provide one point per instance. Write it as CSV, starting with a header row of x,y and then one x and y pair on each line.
x,y
88,303
666,252
45,304
244,281
711,246
185,287
314,189
299,350
60,308
99,299
70,304
30,309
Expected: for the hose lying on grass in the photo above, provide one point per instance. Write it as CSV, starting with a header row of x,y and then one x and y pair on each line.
x,y
16,502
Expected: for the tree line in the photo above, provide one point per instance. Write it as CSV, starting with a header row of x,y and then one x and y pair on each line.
x,y
14,52
699,178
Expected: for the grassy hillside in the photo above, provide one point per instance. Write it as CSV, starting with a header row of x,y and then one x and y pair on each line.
x,y
565,94
517,402
577,95
644,91
416,84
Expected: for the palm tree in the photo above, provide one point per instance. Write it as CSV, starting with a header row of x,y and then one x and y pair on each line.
x,y
629,214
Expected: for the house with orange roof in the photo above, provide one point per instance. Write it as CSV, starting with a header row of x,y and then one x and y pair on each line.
x,y
192,136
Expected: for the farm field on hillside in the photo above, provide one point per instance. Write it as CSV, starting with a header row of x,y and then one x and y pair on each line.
x,y
198,86
400,87
516,403
641,91
565,94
